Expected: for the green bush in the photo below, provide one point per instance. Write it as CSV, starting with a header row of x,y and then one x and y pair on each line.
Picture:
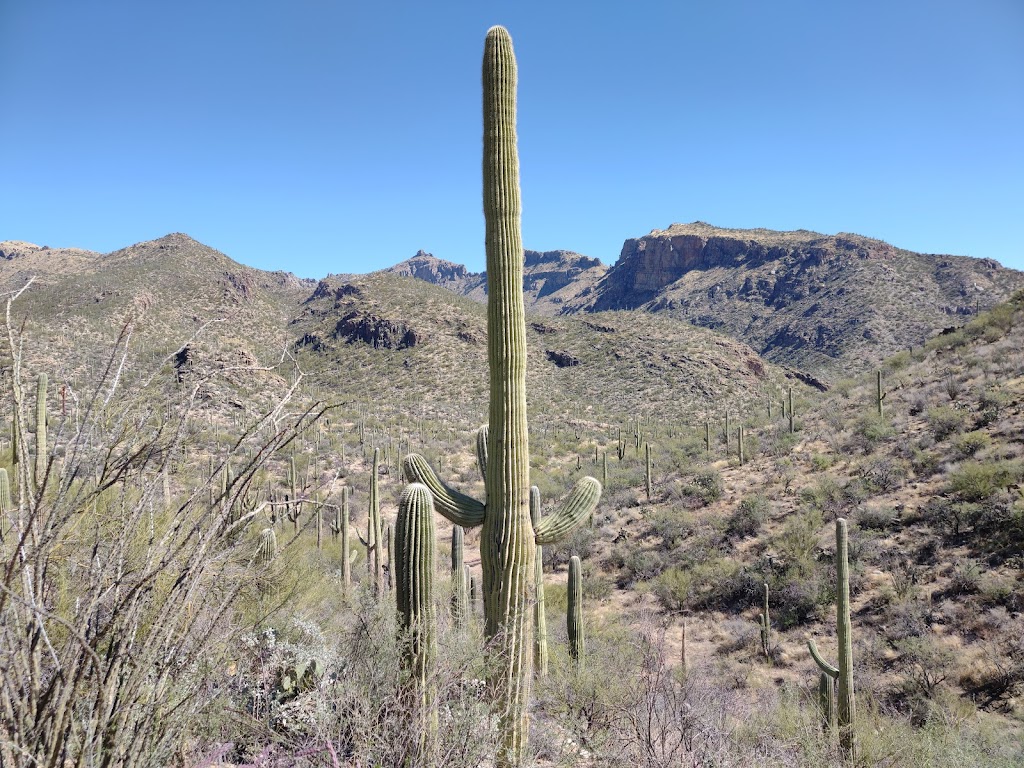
x,y
748,517
945,421
978,481
971,443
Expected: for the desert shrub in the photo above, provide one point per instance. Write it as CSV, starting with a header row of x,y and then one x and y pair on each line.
x,y
799,602
906,618
965,579
637,565
672,526
876,518
968,444
992,403
707,485
748,517
978,481
673,588
580,543
871,430
883,474
945,421
820,462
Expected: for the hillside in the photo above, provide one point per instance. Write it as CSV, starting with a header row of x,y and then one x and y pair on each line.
x,y
831,305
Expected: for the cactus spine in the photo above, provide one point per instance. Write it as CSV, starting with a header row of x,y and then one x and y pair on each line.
x,y
508,539
540,630
41,428
843,674
574,611
414,573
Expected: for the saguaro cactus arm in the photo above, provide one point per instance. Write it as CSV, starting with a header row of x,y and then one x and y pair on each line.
x,y
572,513
825,667
458,507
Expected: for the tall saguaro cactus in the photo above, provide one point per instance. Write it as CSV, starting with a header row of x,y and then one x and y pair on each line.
x,y
375,530
508,539
843,674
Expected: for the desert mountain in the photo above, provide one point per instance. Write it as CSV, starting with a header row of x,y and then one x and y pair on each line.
x,y
833,305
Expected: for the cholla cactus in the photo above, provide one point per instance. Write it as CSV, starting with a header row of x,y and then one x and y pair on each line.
x,y
508,540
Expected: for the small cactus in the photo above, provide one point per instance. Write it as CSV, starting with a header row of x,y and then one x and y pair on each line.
x,y
765,622
879,394
647,456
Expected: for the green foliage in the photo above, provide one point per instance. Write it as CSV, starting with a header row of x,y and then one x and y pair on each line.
x,y
969,444
945,421
748,517
979,481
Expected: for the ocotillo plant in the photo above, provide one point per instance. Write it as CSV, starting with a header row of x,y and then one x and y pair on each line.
x,y
843,674
540,629
414,574
41,429
574,611
879,394
508,539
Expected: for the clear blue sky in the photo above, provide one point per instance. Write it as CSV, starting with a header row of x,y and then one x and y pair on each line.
x,y
328,136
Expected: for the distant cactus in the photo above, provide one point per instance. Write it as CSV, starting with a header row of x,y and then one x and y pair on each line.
x,y
346,558
375,531
792,413
647,457
879,394
41,429
765,622
574,611
508,540
843,674
739,441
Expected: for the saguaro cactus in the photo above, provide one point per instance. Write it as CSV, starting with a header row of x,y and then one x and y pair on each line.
x,y
647,458
375,532
574,611
879,394
346,558
843,674
792,422
765,622
414,576
267,549
41,428
508,540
